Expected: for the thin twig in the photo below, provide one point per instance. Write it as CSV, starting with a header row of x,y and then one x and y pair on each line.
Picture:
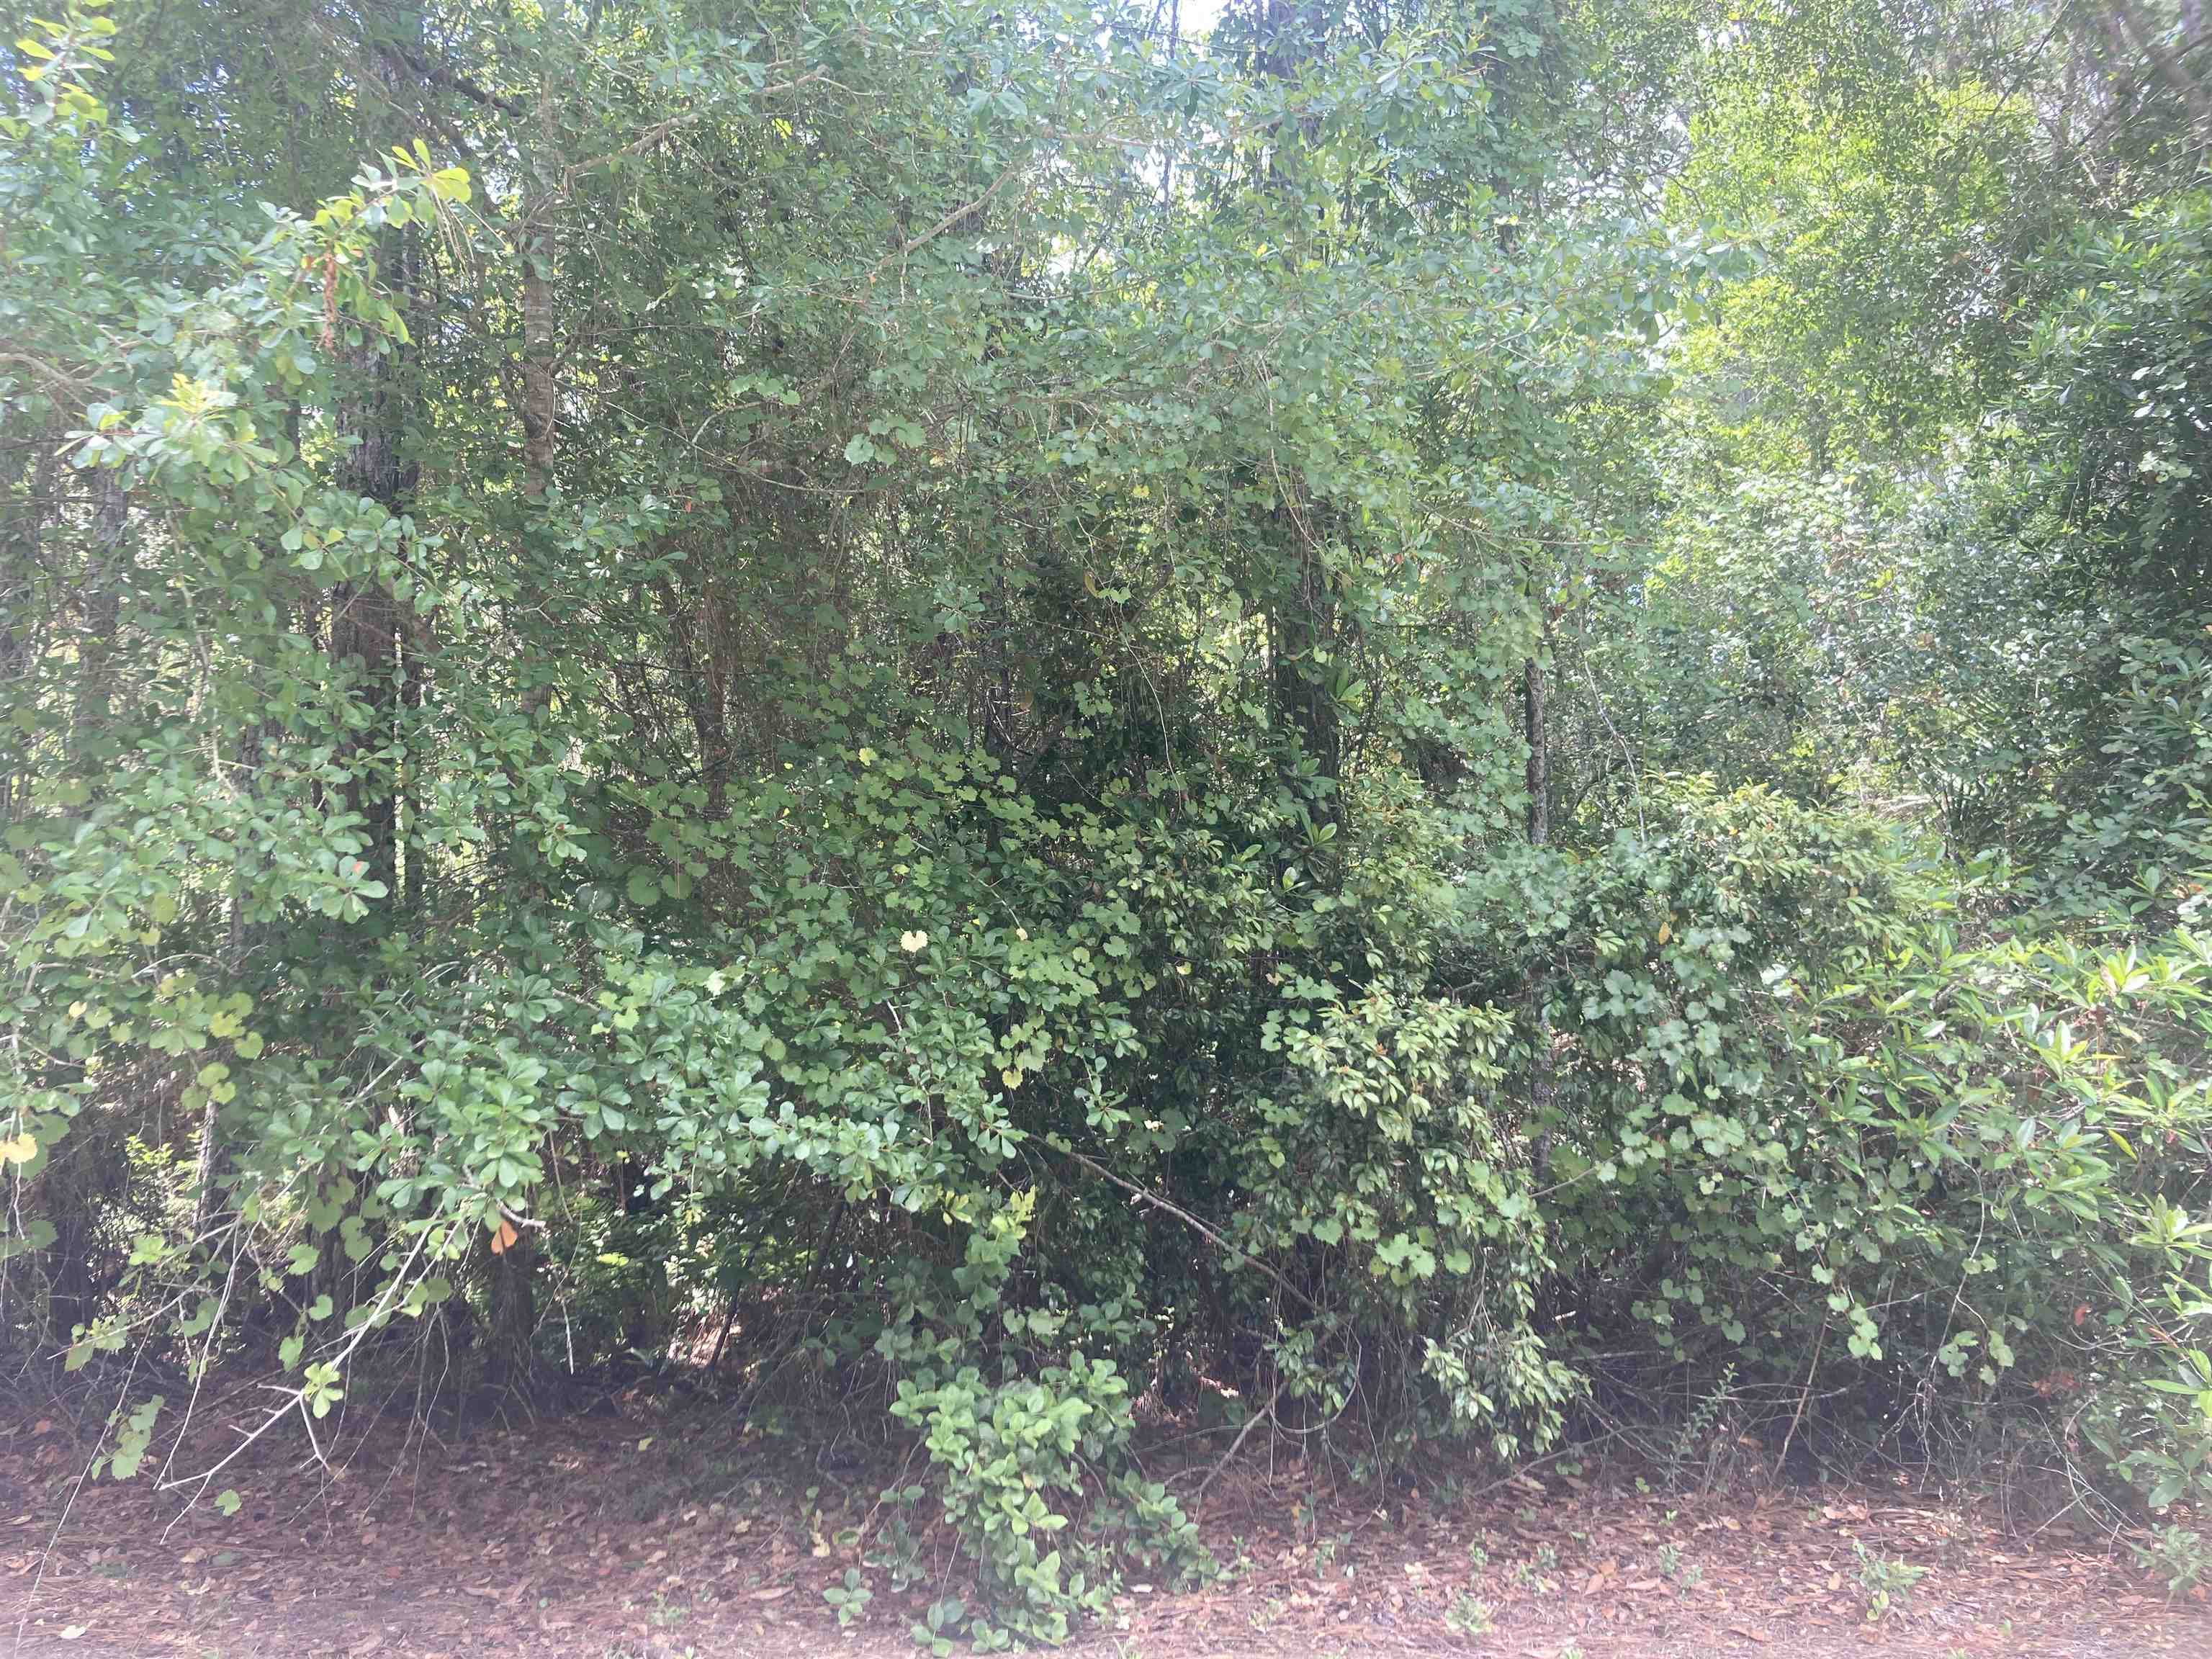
x,y
1804,1395
1146,1196
1266,1414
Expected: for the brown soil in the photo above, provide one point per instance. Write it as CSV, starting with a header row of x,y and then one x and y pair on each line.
x,y
661,1533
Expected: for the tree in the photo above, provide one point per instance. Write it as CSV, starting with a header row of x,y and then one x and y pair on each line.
x,y
1059,709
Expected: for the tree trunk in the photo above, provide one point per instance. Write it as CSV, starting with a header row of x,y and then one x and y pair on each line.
x,y
541,392
1540,752
1305,624
102,609
1305,630
363,620
361,640
83,1178
2128,28
23,586
86,1171
703,669
373,462
1540,833
509,1365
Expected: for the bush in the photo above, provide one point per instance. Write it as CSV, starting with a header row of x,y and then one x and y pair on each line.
x,y
1003,1452
1799,1119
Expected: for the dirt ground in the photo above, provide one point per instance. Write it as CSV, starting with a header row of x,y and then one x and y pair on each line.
x,y
667,1532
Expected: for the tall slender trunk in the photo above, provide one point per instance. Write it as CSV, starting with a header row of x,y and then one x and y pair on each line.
x,y
703,669
364,623
256,739
509,1363
373,462
1541,1089
85,1171
1306,630
101,606
1305,624
23,523
2129,31
1540,752
538,245
246,763
511,1292
541,392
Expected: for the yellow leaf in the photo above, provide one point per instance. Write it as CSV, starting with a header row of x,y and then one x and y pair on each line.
x,y
505,1237
915,941
22,1149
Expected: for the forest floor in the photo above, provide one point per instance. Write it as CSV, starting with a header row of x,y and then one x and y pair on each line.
x,y
668,1530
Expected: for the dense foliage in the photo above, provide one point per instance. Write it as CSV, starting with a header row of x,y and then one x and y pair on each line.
x,y
1441,720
